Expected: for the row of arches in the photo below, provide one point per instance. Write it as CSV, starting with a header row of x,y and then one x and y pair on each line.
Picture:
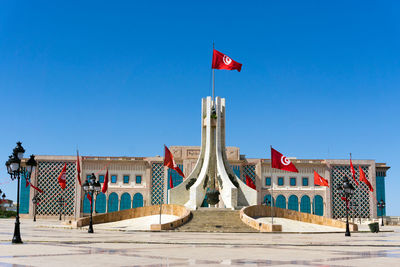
x,y
102,205
293,203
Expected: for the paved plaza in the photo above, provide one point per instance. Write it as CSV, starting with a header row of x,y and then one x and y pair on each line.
x,y
46,243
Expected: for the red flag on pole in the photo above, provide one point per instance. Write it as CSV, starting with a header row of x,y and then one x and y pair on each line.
x,y
105,185
279,161
62,180
89,197
364,179
36,188
250,182
223,62
78,168
171,183
319,180
170,163
353,172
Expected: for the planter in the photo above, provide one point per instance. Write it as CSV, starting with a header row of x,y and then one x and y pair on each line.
x,y
374,227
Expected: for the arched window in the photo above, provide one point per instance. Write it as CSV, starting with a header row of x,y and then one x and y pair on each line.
x,y
318,205
281,202
101,203
267,200
293,203
125,201
305,204
137,200
86,204
113,202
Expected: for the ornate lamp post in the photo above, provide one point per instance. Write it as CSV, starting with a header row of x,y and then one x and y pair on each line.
x,y
381,205
90,187
35,201
14,169
60,202
347,190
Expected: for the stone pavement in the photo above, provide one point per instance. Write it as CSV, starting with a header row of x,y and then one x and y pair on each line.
x,y
48,244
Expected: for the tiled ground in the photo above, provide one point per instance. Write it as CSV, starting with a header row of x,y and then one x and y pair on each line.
x,y
47,244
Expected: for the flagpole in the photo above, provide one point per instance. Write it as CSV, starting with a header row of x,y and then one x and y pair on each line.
x,y
313,205
213,80
272,193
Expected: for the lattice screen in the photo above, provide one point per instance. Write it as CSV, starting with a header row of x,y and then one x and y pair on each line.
x,y
157,183
48,182
250,170
361,196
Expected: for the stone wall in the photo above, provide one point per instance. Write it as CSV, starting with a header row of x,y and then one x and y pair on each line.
x,y
171,209
248,214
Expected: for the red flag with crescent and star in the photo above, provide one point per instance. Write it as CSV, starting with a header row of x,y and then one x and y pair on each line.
x,y
105,185
62,178
170,162
78,168
319,180
250,182
364,179
171,183
221,61
279,161
353,172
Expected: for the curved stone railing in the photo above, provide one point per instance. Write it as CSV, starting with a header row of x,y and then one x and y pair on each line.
x,y
171,209
248,215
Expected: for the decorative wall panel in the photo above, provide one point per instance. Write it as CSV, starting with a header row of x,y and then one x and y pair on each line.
x,y
360,196
157,183
48,173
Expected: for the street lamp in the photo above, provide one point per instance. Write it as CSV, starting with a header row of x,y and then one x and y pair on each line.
x,y
14,169
347,190
60,202
35,201
381,206
90,187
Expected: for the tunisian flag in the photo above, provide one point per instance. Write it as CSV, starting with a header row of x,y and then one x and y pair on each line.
x,y
279,161
319,180
364,179
78,169
62,180
250,182
171,183
223,62
353,172
170,163
105,185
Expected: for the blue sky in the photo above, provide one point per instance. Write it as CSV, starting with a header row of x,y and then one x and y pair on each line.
x,y
319,80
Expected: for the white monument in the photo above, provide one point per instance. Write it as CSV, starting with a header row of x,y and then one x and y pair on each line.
x,y
212,172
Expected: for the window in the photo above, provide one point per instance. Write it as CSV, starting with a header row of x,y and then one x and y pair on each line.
x,y
280,180
293,181
305,181
101,178
267,181
126,179
138,179
113,179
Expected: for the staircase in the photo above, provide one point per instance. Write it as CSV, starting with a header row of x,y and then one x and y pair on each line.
x,y
216,220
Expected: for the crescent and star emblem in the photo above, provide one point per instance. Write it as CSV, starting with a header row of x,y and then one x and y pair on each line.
x,y
227,60
285,161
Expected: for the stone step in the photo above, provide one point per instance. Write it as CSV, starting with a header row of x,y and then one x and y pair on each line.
x,y
215,220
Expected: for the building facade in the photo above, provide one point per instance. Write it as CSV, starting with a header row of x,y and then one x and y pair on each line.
x,y
143,181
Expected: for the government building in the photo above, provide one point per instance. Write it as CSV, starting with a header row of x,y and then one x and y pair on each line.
x,y
143,181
